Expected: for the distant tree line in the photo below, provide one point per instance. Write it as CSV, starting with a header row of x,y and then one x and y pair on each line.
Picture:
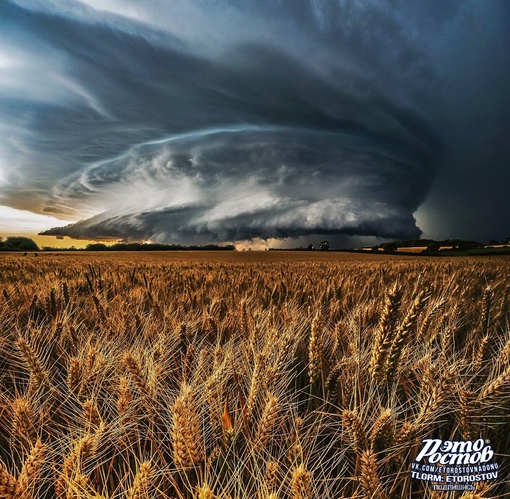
x,y
323,246
155,247
19,243
15,243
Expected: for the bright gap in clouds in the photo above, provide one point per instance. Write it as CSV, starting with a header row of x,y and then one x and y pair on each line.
x,y
13,221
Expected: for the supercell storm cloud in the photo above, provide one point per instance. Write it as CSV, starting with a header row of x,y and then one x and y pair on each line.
x,y
198,121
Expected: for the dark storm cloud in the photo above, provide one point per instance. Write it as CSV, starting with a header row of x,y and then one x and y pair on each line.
x,y
254,183
225,120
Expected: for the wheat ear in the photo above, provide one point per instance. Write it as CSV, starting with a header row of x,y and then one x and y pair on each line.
x,y
301,483
381,429
74,375
355,429
385,333
315,350
271,475
23,420
369,479
403,332
267,421
141,483
187,438
31,470
497,387
9,487
205,492
37,372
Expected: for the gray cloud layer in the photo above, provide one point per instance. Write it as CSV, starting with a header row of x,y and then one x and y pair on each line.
x,y
201,121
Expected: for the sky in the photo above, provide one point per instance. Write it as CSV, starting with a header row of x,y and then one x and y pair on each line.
x,y
273,122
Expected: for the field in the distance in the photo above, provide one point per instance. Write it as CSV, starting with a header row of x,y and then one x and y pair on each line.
x,y
247,374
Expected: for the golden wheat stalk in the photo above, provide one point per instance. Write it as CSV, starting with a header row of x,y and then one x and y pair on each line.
x,y
370,482
187,437
23,419
283,348
38,374
79,486
481,353
9,487
382,431
385,333
472,495
136,372
466,412
486,310
315,350
74,375
430,316
91,414
140,487
402,335
91,360
446,343
355,429
204,492
84,449
295,452
497,387
267,421
333,377
125,397
271,475
301,483
256,382
504,356
439,390
31,470
403,438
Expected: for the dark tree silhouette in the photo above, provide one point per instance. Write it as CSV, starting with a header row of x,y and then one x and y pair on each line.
x,y
433,247
324,246
18,243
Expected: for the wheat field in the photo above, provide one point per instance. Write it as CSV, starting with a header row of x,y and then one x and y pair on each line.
x,y
247,375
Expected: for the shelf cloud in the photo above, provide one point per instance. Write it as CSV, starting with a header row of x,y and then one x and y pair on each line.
x,y
196,121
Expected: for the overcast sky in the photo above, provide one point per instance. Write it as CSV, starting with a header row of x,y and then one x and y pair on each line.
x,y
214,120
